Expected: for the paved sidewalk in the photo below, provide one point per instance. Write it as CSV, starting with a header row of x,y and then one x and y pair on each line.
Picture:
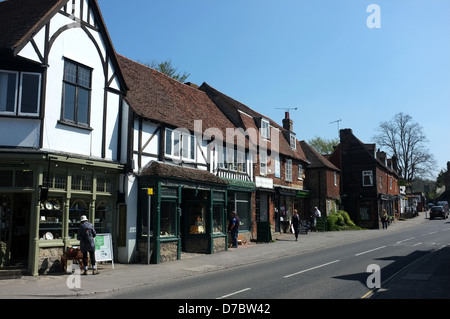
x,y
132,275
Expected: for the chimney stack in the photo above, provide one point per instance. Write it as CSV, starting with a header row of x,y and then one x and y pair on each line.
x,y
288,124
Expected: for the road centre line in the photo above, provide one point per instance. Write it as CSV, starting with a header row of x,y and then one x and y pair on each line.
x,y
368,251
300,272
401,241
234,293
433,232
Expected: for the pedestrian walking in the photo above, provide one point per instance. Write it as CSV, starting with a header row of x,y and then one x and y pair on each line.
x,y
384,219
315,216
86,235
233,228
295,222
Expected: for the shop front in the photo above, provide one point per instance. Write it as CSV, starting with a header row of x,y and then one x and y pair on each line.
x,y
288,199
42,199
180,209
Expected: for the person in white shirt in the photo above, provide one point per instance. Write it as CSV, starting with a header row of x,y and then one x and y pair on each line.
x,y
316,215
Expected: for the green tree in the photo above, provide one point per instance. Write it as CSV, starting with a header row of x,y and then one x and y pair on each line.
x,y
324,146
168,69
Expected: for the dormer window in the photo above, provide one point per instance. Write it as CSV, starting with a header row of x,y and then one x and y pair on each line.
x,y
265,129
293,141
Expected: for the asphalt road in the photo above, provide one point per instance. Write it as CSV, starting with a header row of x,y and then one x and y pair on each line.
x,y
412,263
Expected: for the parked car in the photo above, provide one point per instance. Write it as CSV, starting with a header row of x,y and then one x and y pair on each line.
x,y
444,204
438,211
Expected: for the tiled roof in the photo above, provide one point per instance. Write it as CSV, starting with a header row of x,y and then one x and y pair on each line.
x,y
183,173
20,18
155,96
316,159
234,111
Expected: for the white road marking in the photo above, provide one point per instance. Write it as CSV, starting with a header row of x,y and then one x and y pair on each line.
x,y
234,293
368,251
300,272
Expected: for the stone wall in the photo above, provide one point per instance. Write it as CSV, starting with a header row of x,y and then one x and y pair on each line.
x,y
49,260
168,251
219,244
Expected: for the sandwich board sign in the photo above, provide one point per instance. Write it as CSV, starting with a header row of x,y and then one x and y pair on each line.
x,y
103,248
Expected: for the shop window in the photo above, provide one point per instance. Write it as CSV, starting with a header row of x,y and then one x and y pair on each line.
x,y
6,178
104,185
5,219
55,180
103,217
82,182
168,218
21,178
240,203
24,178
77,208
51,219
197,218
218,225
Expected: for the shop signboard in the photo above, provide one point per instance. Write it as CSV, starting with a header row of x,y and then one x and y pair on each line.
x,y
103,248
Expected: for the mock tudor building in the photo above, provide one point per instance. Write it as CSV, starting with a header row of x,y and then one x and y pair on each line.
x,y
178,151
61,155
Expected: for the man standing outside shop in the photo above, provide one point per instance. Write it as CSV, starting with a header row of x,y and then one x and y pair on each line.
x,y
233,228
86,235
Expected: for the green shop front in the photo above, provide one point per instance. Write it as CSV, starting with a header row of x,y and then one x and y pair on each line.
x,y
180,209
42,198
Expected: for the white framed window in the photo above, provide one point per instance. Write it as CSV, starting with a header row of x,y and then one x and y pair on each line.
x,y
20,93
263,163
335,178
293,141
179,145
300,171
265,128
233,160
288,173
367,177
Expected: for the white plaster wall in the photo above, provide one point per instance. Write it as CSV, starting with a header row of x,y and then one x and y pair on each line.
x,y
76,45
19,132
126,254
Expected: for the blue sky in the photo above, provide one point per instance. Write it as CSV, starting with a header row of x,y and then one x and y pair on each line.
x,y
317,55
